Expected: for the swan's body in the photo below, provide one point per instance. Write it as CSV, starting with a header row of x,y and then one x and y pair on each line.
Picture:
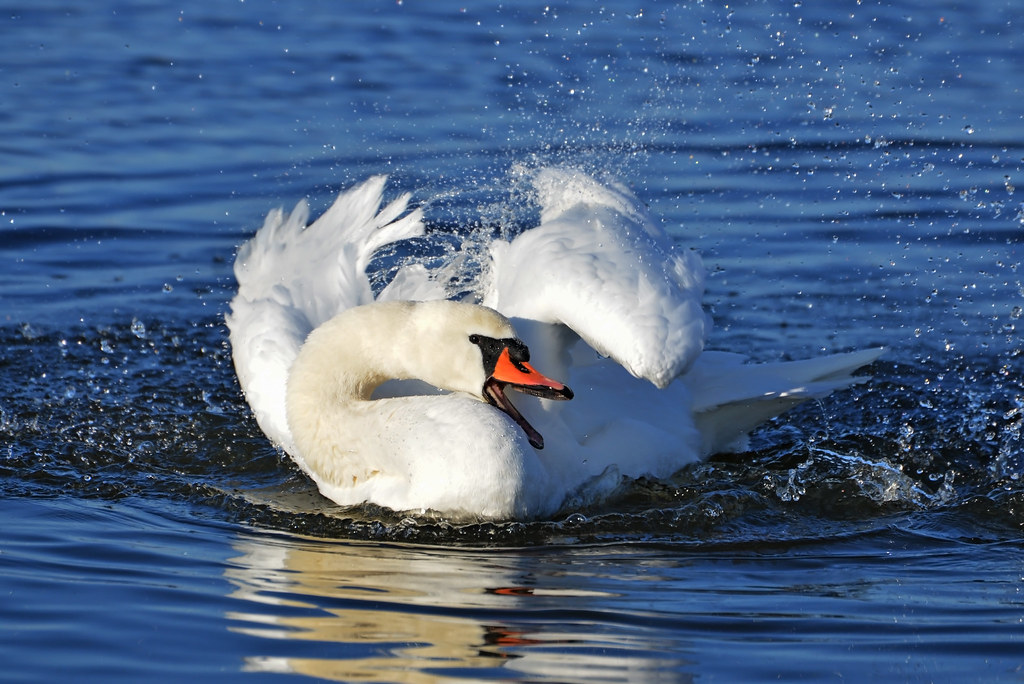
x,y
595,276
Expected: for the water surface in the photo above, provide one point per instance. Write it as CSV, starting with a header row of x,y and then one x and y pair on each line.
x,y
849,174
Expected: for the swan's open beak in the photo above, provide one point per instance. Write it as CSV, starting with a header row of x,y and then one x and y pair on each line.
x,y
521,376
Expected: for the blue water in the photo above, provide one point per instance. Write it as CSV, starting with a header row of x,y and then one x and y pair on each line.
x,y
848,171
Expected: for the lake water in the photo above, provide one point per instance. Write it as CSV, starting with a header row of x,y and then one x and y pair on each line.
x,y
849,172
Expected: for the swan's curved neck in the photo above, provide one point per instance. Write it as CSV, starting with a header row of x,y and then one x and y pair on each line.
x,y
335,373
345,359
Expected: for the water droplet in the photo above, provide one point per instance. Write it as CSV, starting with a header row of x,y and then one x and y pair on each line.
x,y
29,333
138,328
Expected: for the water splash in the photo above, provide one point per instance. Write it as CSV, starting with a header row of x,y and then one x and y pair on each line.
x,y
163,418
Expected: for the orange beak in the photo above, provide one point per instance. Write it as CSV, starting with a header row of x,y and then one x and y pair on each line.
x,y
523,377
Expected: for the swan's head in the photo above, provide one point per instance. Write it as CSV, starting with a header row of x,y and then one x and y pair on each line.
x,y
474,349
505,362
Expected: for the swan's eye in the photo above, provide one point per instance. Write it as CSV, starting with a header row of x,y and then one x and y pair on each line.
x,y
474,338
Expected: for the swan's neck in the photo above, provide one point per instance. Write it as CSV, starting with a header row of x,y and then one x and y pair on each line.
x,y
331,382
345,359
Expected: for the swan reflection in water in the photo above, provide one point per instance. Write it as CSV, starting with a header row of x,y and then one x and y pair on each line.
x,y
362,612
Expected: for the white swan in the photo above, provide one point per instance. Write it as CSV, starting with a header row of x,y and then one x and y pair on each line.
x,y
604,303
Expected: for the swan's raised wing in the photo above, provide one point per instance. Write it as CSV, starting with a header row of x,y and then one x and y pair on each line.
x,y
320,270
599,265
291,278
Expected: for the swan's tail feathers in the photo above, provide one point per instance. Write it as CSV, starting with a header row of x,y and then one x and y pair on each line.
x,y
731,397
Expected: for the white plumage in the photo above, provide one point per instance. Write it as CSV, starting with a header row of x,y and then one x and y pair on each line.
x,y
602,298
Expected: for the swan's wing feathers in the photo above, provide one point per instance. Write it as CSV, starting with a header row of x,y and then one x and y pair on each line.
x,y
256,264
599,265
265,339
414,282
559,189
720,378
391,226
320,269
731,397
356,219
